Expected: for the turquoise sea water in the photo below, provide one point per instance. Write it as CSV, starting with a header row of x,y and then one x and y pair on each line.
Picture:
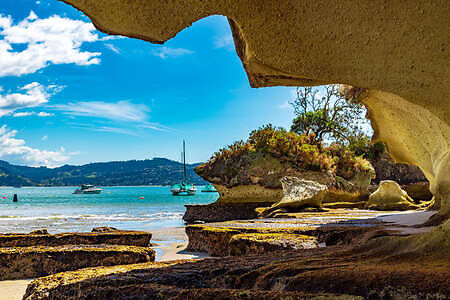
x,y
58,210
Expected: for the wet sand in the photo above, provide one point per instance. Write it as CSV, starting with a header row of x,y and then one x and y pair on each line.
x,y
13,289
176,249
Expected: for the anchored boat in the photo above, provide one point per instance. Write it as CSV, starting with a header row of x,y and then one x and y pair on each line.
x,y
88,189
184,188
209,188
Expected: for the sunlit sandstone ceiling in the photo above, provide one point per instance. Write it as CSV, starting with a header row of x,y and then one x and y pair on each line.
x,y
398,51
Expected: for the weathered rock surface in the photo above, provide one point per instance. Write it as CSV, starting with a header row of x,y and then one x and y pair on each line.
x,y
419,191
390,196
130,238
258,243
299,193
387,169
31,262
217,212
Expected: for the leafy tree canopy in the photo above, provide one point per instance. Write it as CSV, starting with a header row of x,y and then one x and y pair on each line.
x,y
329,117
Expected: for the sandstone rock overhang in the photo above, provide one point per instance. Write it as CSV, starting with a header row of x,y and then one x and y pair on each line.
x,y
398,51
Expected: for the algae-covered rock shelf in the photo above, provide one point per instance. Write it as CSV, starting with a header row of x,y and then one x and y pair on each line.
x,y
40,254
115,237
344,271
35,261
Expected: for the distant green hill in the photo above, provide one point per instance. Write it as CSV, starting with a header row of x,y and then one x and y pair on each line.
x,y
157,171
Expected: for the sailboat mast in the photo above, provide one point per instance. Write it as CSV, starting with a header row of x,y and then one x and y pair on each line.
x,y
184,162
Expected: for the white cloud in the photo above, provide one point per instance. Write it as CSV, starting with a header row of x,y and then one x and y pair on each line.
x,y
119,111
112,37
34,95
54,40
154,126
114,130
44,138
224,41
166,52
32,113
112,48
16,151
44,114
23,114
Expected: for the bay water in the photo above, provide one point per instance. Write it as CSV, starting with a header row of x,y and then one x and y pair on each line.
x,y
128,208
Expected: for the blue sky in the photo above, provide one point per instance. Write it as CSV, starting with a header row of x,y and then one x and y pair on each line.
x,y
71,94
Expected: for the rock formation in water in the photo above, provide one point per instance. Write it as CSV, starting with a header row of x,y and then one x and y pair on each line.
x,y
250,172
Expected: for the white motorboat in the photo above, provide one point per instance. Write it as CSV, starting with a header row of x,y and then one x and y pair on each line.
x,y
88,189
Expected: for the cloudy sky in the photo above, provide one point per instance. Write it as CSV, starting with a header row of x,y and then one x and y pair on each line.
x,y
71,94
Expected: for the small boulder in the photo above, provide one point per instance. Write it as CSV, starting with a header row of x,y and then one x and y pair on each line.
x,y
298,193
104,229
390,196
39,231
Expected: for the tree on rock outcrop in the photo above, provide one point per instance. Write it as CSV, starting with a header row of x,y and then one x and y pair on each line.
x,y
329,117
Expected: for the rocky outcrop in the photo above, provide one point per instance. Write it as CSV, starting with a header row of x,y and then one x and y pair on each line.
x,y
298,193
387,169
41,238
390,196
244,183
37,261
419,191
255,177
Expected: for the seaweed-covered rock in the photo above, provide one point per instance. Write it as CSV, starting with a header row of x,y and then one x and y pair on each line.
x,y
299,193
390,196
42,238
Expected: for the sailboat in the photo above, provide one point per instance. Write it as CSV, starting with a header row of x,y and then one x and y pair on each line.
x,y
184,188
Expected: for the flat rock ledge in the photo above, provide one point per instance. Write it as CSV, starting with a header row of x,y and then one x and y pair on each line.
x,y
40,254
243,244
37,261
218,212
265,235
112,237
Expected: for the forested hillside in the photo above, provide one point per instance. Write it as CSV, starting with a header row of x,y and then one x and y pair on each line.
x,y
157,171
